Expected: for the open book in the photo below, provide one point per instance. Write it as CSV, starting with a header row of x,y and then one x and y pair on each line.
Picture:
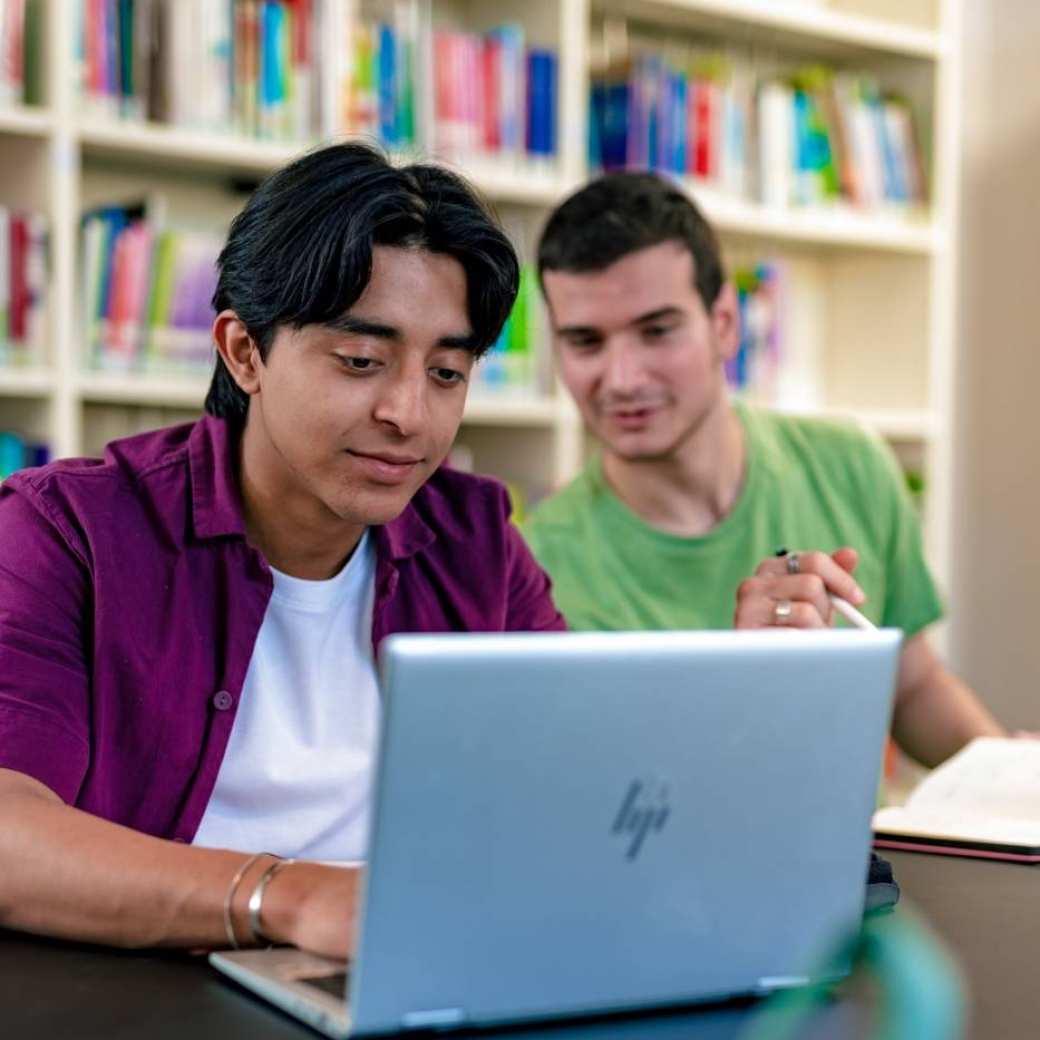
x,y
984,801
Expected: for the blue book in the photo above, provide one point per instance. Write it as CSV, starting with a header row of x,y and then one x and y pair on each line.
x,y
386,71
272,75
115,220
616,126
677,116
597,122
541,102
895,182
12,454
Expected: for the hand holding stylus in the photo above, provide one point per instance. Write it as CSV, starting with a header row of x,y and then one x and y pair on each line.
x,y
801,590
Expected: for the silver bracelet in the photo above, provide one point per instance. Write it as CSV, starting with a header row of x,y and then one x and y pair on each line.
x,y
229,925
256,900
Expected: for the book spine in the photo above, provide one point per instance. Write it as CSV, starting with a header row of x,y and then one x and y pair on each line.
x,y
304,121
386,65
18,307
5,282
36,280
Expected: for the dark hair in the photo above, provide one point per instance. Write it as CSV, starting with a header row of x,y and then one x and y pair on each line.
x,y
300,252
620,213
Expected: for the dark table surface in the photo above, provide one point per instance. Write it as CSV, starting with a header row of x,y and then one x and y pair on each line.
x,y
987,913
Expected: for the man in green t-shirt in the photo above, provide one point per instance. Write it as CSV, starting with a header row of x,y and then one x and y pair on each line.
x,y
691,494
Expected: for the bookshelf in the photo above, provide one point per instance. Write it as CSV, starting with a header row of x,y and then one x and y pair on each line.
x,y
873,291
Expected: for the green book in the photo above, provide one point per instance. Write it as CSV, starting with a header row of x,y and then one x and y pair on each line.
x,y
519,329
32,43
160,297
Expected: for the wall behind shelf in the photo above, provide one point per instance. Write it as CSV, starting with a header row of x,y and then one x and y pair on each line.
x,y
997,491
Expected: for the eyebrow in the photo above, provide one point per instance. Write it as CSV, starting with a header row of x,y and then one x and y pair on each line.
x,y
355,326
592,330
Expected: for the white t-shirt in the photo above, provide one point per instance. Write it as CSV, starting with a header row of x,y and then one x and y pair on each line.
x,y
296,775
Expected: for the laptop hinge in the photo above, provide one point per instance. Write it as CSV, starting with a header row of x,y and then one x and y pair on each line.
x,y
436,1018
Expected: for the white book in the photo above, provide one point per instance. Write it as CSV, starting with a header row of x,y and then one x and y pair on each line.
x,y
777,144
984,801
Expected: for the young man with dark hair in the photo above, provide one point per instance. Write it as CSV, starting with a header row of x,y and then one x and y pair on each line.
x,y
187,627
692,492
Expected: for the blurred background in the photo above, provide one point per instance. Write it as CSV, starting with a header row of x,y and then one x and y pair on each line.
x,y
870,164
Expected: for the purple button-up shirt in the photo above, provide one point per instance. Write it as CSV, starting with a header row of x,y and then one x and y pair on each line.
x,y
130,602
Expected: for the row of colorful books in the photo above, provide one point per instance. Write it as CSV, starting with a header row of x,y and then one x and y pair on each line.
x,y
20,46
814,137
209,65
23,287
146,292
18,452
493,95
256,67
378,87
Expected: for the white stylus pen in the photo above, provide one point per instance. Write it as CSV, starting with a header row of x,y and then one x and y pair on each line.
x,y
851,614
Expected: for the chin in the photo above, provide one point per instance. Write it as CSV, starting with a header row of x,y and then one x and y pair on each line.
x,y
370,509
639,447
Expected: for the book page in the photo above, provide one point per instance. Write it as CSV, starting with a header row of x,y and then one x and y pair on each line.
x,y
991,777
953,825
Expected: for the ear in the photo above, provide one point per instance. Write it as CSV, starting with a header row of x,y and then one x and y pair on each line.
x,y
725,321
238,351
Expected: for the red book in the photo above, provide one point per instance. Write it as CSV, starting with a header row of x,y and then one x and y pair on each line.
x,y
491,137
704,159
20,297
302,31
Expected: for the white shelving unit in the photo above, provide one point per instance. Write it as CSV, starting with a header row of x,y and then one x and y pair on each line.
x,y
875,293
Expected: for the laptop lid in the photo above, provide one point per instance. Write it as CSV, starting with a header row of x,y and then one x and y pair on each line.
x,y
571,823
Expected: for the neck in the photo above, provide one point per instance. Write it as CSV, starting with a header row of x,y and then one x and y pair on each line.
x,y
294,531
694,488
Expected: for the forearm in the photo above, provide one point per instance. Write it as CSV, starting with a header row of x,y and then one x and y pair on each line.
x,y
66,873
936,714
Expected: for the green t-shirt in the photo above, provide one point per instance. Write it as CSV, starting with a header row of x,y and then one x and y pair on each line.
x,y
810,484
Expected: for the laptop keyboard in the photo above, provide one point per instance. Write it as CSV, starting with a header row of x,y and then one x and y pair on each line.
x,y
335,985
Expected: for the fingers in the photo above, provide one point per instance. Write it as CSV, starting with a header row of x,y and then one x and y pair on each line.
x,y
847,559
833,571
789,600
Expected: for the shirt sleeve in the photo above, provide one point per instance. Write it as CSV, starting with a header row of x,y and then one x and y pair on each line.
x,y
912,601
44,635
531,607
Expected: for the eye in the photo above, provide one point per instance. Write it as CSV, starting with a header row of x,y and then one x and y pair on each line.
x,y
656,331
358,364
584,344
448,375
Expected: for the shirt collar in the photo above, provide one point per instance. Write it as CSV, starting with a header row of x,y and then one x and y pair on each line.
x,y
216,500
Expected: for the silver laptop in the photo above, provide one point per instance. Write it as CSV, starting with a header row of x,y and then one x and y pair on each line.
x,y
582,823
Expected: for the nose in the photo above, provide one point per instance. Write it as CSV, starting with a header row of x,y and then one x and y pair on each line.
x,y
622,373
401,401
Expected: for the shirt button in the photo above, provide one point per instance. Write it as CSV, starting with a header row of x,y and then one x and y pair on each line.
x,y
222,700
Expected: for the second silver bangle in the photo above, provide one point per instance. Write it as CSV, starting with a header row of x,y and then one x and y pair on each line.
x,y
256,900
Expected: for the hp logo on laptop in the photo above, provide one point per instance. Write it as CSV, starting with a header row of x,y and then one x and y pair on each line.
x,y
644,809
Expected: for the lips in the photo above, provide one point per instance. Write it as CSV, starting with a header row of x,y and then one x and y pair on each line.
x,y
385,467
631,418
